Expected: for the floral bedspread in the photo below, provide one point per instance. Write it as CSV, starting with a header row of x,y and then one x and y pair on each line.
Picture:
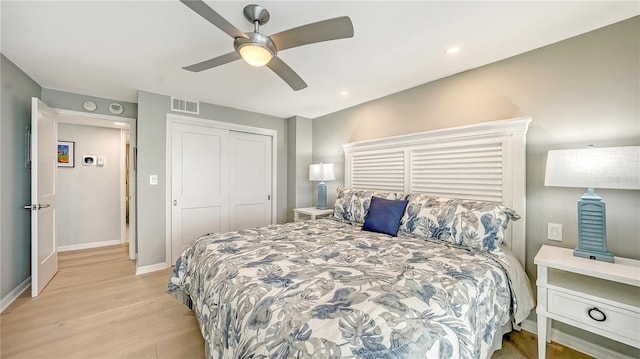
x,y
326,289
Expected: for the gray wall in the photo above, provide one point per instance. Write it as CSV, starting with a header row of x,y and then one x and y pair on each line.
x,y
584,90
73,101
15,185
152,125
88,197
298,160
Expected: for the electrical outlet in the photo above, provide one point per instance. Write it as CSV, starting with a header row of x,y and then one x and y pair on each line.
x,y
554,232
153,179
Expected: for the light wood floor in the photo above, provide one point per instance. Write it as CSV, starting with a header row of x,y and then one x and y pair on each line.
x,y
96,307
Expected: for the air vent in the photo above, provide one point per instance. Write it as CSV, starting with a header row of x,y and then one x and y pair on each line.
x,y
186,106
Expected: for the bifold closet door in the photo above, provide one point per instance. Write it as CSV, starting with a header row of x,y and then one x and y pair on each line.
x,y
199,184
250,177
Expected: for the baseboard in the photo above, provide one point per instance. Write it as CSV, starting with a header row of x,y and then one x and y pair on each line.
x,y
576,343
151,268
75,247
14,294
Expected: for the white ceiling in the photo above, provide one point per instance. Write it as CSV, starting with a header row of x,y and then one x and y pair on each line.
x,y
112,49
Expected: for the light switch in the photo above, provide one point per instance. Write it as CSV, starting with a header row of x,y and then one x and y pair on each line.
x,y
153,179
554,232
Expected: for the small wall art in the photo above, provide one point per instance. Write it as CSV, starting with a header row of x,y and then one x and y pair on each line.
x,y
66,154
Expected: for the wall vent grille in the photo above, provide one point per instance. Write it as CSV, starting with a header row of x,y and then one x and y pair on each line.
x,y
185,106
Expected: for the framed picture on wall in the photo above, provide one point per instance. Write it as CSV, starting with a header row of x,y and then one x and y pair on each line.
x,y
66,154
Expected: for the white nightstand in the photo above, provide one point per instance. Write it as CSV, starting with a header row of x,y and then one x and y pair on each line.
x,y
312,212
600,297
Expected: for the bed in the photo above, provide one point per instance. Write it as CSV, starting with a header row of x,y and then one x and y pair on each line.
x,y
395,273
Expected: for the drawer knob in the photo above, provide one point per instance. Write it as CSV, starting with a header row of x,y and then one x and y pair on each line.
x,y
597,315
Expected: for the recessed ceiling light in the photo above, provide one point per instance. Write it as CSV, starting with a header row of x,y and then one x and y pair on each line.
x,y
452,50
344,93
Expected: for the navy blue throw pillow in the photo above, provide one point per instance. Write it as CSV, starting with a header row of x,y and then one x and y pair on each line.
x,y
384,216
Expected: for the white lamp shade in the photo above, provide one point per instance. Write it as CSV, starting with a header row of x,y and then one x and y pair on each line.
x,y
610,167
321,172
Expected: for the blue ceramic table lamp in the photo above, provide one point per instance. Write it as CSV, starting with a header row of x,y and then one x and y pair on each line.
x,y
610,167
321,172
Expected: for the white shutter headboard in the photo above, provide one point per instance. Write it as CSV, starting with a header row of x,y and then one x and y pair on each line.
x,y
484,161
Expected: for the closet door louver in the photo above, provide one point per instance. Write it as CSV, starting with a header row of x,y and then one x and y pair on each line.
x,y
459,171
382,171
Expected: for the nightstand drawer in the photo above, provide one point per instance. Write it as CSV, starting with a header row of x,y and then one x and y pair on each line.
x,y
618,321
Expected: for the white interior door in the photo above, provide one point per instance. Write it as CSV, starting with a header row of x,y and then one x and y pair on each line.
x,y
198,184
249,180
44,136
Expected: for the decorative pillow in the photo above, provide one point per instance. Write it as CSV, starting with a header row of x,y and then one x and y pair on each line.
x,y
430,216
481,225
384,216
352,205
475,224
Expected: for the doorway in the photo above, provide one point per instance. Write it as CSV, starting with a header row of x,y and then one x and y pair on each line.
x,y
96,201
47,153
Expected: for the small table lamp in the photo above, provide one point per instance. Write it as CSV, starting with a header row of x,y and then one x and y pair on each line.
x,y
610,167
321,172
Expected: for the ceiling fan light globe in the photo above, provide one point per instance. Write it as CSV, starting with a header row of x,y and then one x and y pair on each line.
x,y
255,55
256,49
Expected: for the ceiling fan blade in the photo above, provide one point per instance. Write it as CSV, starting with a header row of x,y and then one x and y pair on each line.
x,y
332,29
287,74
213,17
216,61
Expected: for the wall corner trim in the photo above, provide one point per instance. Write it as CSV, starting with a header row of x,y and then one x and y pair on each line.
x,y
14,294
575,343
152,268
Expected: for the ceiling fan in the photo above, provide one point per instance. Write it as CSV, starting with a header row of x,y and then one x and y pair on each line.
x,y
258,49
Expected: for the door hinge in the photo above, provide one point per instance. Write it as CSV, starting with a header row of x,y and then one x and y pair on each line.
x,y
27,148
